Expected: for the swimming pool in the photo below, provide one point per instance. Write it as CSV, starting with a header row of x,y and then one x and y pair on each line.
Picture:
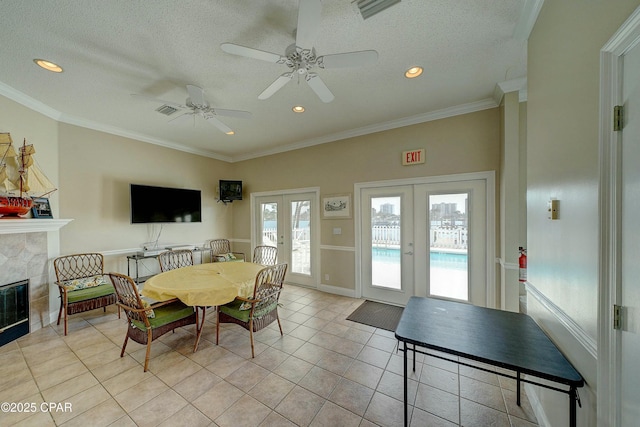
x,y
448,272
437,259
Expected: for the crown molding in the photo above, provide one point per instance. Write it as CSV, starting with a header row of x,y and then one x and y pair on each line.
x,y
528,17
38,106
472,107
508,86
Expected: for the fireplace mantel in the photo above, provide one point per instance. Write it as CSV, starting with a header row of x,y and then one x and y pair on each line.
x,y
31,225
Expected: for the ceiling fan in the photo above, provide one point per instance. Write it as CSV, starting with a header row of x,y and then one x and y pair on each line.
x,y
197,105
301,57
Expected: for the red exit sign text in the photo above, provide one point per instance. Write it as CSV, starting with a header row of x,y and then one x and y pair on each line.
x,y
413,157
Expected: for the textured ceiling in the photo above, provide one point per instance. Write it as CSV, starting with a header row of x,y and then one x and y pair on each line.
x,y
112,49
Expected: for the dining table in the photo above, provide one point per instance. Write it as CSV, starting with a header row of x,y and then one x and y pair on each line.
x,y
204,285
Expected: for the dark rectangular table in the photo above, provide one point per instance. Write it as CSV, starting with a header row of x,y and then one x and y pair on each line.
x,y
508,340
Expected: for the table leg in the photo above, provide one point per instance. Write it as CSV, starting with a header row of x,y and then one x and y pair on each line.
x,y
199,324
414,358
406,394
518,388
572,407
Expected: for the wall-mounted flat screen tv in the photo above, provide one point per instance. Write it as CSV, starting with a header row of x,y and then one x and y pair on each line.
x,y
230,190
162,204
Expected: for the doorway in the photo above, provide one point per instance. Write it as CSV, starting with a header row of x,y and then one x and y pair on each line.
x,y
289,221
426,237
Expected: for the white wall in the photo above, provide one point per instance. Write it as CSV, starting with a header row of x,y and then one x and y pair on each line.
x,y
562,163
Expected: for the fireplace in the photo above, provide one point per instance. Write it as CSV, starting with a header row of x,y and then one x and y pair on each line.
x,y
14,311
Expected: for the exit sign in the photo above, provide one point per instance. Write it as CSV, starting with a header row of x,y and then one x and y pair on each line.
x,y
413,157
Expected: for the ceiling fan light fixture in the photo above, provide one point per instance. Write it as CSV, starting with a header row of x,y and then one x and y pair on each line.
x,y
368,8
298,109
48,65
413,72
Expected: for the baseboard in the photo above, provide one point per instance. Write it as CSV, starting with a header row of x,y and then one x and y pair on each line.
x,y
538,410
337,290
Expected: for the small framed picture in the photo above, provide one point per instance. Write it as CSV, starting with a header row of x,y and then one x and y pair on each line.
x,y
337,206
41,208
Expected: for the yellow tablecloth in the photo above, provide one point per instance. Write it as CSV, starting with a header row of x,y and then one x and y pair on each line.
x,y
208,284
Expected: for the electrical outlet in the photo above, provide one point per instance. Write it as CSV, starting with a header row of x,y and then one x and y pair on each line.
x,y
326,277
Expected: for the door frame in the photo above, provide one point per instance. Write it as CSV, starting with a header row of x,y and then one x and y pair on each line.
x,y
315,225
609,289
488,177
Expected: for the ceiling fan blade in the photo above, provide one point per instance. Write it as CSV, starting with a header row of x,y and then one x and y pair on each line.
x,y
196,95
232,113
217,123
159,101
276,86
309,16
350,59
249,52
318,86
182,118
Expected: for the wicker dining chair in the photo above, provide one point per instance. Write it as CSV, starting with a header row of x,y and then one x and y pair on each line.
x,y
82,284
261,309
147,322
221,251
170,260
265,255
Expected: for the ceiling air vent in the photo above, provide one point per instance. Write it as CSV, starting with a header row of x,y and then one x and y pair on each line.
x,y
167,110
368,8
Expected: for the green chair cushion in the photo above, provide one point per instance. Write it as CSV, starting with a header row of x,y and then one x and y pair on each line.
x,y
90,293
166,314
233,309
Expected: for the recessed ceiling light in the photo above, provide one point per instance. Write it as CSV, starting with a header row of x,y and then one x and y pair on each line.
x,y
48,65
230,132
298,109
413,72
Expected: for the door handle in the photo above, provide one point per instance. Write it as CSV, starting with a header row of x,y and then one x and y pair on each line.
x,y
408,253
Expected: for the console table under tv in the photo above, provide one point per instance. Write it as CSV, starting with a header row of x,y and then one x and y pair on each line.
x,y
139,256
504,339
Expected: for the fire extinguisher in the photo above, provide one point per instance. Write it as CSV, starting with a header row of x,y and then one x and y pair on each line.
x,y
523,264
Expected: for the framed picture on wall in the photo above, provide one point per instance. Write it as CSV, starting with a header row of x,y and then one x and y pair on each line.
x,y
41,208
336,206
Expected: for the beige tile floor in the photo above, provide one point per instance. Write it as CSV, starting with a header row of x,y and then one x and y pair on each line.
x,y
325,371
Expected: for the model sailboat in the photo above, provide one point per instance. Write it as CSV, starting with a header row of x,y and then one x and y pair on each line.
x,y
20,178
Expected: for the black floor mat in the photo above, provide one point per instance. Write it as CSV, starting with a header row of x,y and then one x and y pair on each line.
x,y
378,315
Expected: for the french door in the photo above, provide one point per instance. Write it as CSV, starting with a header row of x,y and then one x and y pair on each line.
x,y
387,243
289,222
426,239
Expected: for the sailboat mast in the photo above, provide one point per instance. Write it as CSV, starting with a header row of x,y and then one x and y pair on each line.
x,y
21,170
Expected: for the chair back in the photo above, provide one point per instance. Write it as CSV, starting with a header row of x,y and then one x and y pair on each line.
x,y
265,255
77,266
269,282
219,246
129,298
170,260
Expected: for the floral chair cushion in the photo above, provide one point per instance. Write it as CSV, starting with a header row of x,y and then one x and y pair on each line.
x,y
85,282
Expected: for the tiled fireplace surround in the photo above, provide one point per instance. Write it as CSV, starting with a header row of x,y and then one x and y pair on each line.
x,y
25,253
25,256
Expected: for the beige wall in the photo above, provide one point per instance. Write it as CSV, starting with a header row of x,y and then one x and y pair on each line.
x,y
22,122
562,163
96,170
461,144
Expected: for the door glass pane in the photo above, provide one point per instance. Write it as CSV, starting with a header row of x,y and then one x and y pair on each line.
x,y
300,237
448,245
385,242
269,224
